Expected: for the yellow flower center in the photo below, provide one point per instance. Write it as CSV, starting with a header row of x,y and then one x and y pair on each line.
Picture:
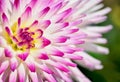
x,y
22,38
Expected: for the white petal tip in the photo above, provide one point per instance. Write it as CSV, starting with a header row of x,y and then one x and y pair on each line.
x,y
103,50
99,67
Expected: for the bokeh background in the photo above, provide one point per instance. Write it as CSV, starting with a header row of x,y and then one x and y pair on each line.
x,y
111,62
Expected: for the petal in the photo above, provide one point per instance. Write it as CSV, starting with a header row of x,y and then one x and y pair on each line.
x,y
44,68
13,76
89,62
30,63
44,12
21,73
76,73
56,27
7,52
65,61
13,63
56,8
3,66
60,39
27,13
95,48
49,77
73,56
4,18
1,52
64,76
62,15
56,52
44,24
45,42
43,56
16,4
99,29
3,42
97,40
33,76
32,3
23,56
58,65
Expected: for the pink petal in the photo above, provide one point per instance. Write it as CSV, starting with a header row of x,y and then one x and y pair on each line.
x,y
34,24
13,64
63,15
23,56
16,3
73,56
49,77
21,73
1,79
56,52
31,66
73,41
65,61
89,62
7,53
44,12
27,13
44,68
76,22
64,76
76,73
58,65
4,19
57,27
33,76
56,8
45,24
32,3
43,56
61,39
13,76
45,42
3,66
69,49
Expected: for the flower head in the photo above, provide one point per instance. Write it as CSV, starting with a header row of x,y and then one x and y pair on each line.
x,y
44,40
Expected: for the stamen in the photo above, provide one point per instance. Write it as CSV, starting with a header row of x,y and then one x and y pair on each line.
x,y
25,38
8,30
19,22
15,39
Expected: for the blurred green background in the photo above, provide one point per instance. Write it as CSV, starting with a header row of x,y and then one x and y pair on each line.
x,y
111,62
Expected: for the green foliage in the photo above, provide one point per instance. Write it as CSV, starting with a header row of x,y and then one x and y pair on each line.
x,y
115,15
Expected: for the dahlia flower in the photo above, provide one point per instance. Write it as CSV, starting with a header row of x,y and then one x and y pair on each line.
x,y
44,40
